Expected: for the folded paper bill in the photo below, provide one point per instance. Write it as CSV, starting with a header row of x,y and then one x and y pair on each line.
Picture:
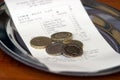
x,y
44,17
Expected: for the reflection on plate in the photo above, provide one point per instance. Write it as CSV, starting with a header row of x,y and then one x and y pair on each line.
x,y
105,20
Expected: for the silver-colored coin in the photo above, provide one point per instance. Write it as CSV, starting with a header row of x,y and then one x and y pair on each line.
x,y
54,49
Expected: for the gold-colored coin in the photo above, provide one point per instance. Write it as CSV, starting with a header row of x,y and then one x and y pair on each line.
x,y
61,36
78,43
40,42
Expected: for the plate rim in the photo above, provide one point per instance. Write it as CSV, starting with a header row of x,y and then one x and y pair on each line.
x,y
18,58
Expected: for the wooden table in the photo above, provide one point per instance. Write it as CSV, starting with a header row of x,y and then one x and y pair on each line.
x,y
11,69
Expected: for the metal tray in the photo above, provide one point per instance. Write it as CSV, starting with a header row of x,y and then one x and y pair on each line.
x,y
106,19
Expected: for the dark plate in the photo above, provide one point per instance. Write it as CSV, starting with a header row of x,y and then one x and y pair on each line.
x,y
12,44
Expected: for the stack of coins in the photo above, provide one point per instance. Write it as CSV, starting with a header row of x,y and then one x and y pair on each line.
x,y
60,43
62,37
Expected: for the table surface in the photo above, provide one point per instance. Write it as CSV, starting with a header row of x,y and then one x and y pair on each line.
x,y
10,69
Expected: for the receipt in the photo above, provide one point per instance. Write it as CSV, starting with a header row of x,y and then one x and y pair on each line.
x,y
44,17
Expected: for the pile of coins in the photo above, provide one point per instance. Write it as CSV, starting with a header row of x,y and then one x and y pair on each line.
x,y
60,43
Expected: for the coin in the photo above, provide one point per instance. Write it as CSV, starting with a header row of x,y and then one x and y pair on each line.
x,y
61,36
72,50
79,43
54,49
40,42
